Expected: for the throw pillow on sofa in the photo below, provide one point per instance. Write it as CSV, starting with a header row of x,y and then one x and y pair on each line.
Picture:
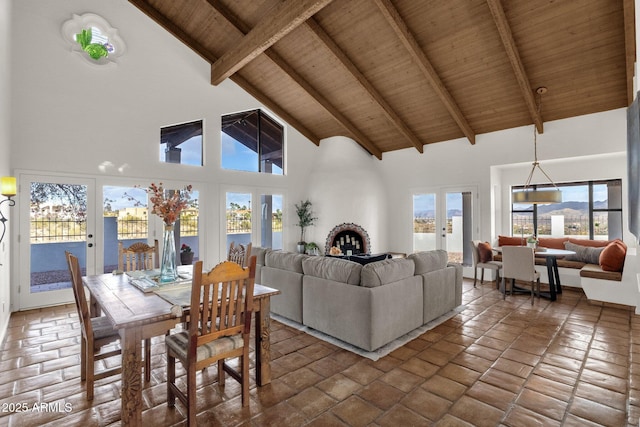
x,y
612,256
586,254
485,254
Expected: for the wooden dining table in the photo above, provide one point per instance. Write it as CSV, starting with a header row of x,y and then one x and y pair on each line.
x,y
139,315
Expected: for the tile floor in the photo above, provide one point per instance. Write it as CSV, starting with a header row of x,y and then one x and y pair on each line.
x,y
497,363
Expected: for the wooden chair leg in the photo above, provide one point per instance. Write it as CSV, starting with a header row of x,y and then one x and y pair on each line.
x,y
475,276
245,379
171,379
147,359
91,366
482,277
192,402
221,372
83,358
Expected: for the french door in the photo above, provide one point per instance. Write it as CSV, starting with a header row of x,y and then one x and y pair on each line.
x,y
443,219
57,214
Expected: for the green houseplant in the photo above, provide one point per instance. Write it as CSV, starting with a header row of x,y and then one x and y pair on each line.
x,y
305,219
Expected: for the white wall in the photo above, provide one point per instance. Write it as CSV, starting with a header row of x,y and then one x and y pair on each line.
x,y
5,165
345,186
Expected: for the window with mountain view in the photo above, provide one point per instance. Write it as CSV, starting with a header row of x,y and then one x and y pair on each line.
x,y
252,142
589,210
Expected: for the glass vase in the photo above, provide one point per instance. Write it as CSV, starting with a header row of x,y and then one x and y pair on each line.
x,y
168,270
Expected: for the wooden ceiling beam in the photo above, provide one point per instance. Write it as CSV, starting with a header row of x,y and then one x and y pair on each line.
x,y
392,116
629,45
504,30
411,44
243,28
277,23
151,12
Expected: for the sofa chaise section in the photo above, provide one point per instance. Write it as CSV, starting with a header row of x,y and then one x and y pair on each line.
x,y
283,271
442,283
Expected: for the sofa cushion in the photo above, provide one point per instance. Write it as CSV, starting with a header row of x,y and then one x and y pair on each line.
x,y
552,242
485,254
386,271
284,260
586,254
511,241
429,260
260,254
592,243
612,256
338,270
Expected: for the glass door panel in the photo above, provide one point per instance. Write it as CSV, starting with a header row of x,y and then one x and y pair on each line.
x,y
271,221
424,222
238,219
60,217
125,219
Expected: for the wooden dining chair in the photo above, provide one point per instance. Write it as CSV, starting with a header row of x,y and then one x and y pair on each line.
x,y
140,256
96,332
239,254
219,328
518,263
484,262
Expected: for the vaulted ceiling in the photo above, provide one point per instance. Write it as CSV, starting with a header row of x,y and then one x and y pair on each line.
x,y
393,74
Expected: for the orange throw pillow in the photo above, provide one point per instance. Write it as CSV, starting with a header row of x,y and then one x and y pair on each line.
x,y
484,251
612,256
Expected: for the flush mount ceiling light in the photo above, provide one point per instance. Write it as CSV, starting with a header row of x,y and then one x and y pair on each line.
x,y
92,37
529,194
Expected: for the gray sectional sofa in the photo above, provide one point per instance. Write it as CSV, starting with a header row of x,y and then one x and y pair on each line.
x,y
368,305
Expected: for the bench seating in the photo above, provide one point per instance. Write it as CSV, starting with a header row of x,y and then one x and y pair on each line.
x,y
598,284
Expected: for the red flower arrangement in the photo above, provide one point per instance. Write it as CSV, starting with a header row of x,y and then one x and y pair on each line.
x,y
168,208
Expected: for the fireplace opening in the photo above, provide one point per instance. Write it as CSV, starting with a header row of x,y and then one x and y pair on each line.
x,y
350,238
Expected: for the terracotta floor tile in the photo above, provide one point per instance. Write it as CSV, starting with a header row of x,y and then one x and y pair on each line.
x,y
363,373
400,416
444,387
497,362
339,386
381,394
604,380
597,412
475,412
401,379
503,380
427,404
602,395
356,412
522,417
491,395
542,404
555,389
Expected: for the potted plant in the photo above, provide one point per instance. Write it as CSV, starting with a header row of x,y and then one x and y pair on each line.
x,y
312,248
305,219
532,242
186,255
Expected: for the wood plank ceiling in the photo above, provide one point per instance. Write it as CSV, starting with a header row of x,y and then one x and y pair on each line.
x,y
393,74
